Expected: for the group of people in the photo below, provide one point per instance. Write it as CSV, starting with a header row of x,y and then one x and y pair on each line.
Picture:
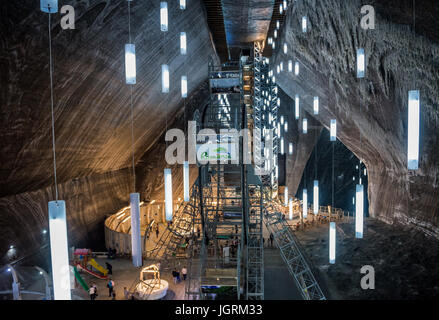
x,y
93,290
176,274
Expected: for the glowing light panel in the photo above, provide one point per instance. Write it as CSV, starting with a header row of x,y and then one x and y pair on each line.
x,y
163,16
183,86
359,211
59,250
130,63
413,130
332,242
305,203
333,129
361,63
316,197
297,104
186,180
316,105
168,194
183,45
165,78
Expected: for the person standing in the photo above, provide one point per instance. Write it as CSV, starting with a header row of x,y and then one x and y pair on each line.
x,y
109,268
184,272
93,291
271,239
110,286
126,293
157,232
174,276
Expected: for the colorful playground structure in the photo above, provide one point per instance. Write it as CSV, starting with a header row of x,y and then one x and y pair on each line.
x,y
83,261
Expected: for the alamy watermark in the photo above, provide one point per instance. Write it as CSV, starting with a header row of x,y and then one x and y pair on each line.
x,y
209,146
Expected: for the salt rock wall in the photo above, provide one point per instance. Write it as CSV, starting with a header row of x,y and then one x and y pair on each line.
x,y
376,107
92,106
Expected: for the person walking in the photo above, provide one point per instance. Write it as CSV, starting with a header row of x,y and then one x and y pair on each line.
x,y
126,293
110,286
271,239
184,273
157,232
93,292
174,276
109,268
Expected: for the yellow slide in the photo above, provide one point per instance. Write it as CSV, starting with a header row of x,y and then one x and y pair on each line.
x,y
98,267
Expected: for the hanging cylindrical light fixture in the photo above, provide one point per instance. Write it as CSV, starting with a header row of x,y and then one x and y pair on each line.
x,y
168,194
136,246
305,203
316,105
316,197
332,242
183,86
359,211
186,180
183,44
413,130
297,104
285,48
286,127
182,4
59,250
290,148
296,68
333,129
286,196
361,63
304,24
282,145
290,66
165,78
130,63
164,16
305,125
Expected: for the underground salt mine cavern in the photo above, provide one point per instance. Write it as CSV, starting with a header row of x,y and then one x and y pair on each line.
x,y
219,150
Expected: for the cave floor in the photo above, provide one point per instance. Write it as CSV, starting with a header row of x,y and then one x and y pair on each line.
x,y
405,261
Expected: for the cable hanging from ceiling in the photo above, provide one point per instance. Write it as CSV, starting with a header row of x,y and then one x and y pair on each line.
x,y
130,74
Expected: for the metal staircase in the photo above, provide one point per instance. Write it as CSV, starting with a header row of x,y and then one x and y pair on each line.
x,y
291,253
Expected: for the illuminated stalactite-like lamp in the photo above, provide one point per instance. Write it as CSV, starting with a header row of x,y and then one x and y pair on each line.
x,y
297,104
305,125
296,68
305,203
333,129
165,78
332,243
183,44
59,250
282,145
290,66
286,196
359,211
49,6
186,180
316,197
136,246
168,194
183,86
361,63
163,16
285,48
316,105
413,130
290,148
182,4
130,63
